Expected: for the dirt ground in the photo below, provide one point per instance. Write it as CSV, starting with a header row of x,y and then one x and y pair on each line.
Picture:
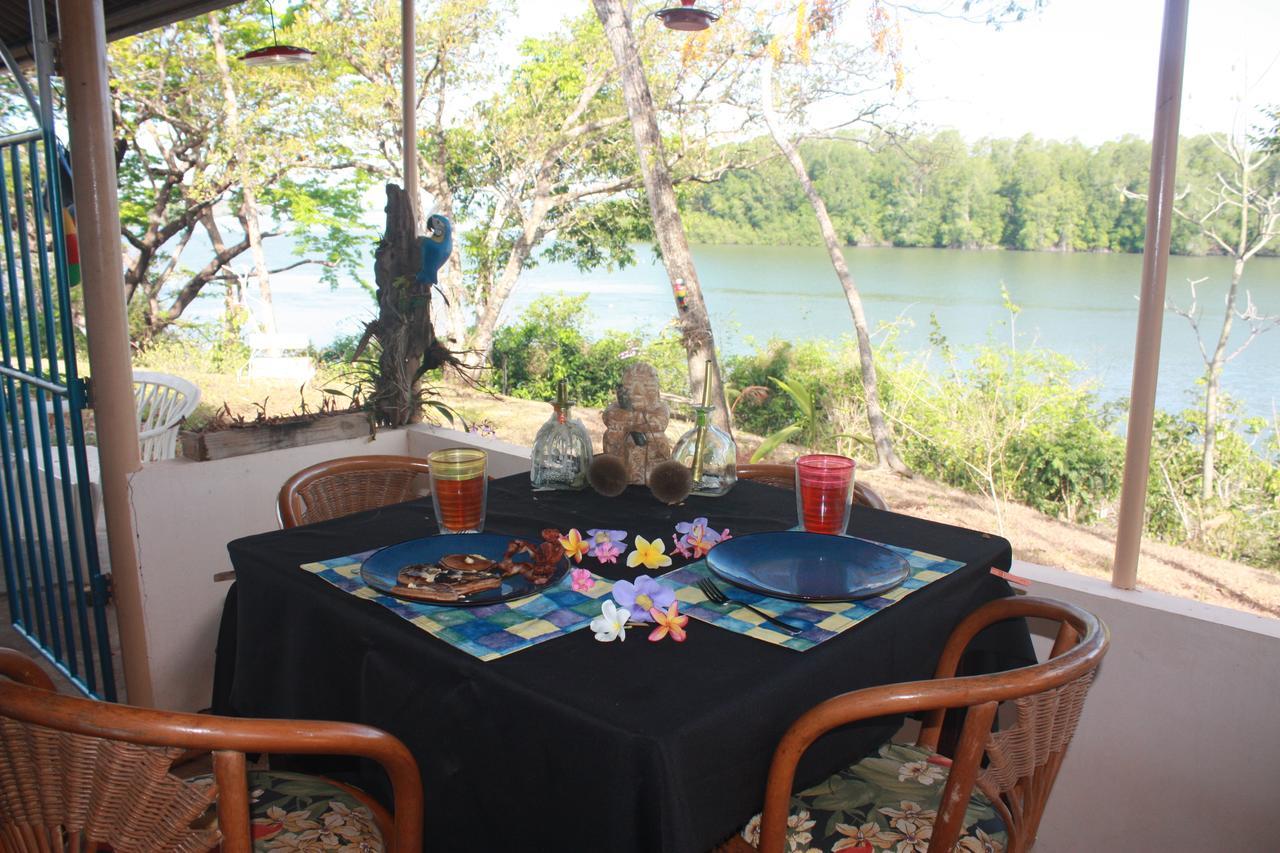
x,y
1036,538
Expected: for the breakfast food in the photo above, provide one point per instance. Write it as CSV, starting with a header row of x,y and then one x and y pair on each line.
x,y
441,582
455,576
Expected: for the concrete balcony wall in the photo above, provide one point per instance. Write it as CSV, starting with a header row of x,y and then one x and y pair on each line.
x,y
1177,748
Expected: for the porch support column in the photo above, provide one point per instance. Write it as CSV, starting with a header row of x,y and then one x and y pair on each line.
x,y
409,106
93,171
1155,266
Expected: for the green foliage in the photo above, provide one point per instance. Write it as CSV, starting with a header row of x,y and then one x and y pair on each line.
x,y
1012,424
805,427
200,347
937,191
1242,519
549,343
197,133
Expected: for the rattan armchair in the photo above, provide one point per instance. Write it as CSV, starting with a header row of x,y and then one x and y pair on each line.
x,y
76,774
784,477
1006,774
342,486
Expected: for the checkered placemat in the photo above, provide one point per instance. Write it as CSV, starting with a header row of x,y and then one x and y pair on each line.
x,y
486,632
823,620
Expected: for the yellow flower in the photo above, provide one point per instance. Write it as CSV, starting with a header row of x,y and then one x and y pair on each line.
x,y
651,555
575,547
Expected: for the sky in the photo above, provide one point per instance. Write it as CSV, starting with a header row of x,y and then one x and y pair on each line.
x,y
1081,69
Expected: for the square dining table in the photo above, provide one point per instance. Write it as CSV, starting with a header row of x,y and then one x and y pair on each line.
x,y
574,744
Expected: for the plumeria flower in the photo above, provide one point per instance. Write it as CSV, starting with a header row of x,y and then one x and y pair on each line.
x,y
670,622
582,580
574,545
611,624
642,596
607,552
613,541
698,538
681,548
724,535
651,555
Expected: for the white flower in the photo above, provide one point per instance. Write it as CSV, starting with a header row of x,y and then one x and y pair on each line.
x,y
611,624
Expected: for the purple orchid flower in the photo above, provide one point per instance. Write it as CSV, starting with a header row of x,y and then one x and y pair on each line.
x,y
698,538
612,541
642,596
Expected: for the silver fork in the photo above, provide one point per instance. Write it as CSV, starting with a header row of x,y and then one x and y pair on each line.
x,y
717,596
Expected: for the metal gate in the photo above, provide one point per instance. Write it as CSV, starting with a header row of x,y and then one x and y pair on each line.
x,y
57,595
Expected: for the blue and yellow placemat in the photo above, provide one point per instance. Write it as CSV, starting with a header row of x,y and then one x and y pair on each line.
x,y
486,632
823,620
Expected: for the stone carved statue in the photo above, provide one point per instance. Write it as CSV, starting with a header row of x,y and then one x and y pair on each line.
x,y
635,426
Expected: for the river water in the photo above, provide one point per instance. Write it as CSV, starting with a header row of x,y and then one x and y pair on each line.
x,y
1082,305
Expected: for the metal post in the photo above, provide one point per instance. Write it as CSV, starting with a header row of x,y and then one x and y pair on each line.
x,y
409,106
93,170
1155,265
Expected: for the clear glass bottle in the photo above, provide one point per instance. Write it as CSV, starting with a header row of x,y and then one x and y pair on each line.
x,y
710,453
562,449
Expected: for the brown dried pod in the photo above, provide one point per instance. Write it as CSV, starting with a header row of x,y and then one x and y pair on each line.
x,y
607,475
670,482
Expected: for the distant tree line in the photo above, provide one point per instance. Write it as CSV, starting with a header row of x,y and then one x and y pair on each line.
x,y
939,191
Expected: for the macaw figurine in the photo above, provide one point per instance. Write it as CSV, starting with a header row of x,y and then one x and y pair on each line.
x,y
436,248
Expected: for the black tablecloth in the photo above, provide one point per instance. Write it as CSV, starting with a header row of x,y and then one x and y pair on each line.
x,y
572,744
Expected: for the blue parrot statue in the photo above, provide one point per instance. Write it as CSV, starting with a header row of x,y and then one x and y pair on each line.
x,y
436,248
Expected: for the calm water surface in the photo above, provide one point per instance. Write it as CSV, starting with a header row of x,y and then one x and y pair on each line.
x,y
1083,305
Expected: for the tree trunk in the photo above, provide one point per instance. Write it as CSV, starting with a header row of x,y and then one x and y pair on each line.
x,y
487,323
403,326
248,216
866,356
1213,376
695,325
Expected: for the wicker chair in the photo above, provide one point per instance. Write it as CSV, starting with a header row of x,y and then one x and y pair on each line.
x,y
343,486
76,774
1012,769
784,477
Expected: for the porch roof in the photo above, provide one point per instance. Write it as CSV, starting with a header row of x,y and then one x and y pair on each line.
x,y
123,18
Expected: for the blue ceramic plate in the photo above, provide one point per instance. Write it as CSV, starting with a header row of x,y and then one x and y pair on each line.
x,y
380,568
808,566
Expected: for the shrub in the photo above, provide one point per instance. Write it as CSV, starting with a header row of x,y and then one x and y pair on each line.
x,y
548,342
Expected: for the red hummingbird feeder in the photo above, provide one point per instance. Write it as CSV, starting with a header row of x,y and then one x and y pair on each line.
x,y
687,17
277,53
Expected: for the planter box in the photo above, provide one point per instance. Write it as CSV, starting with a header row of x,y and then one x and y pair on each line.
x,y
256,438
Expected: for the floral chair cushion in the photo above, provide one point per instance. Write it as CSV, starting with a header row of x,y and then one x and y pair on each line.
x,y
296,812
884,802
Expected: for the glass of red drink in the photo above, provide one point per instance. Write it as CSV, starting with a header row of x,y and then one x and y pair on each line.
x,y
824,492
459,488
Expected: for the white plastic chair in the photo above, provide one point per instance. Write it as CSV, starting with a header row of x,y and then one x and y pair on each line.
x,y
162,402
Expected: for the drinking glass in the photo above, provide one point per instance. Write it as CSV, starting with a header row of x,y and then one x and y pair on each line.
x,y
459,488
824,492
